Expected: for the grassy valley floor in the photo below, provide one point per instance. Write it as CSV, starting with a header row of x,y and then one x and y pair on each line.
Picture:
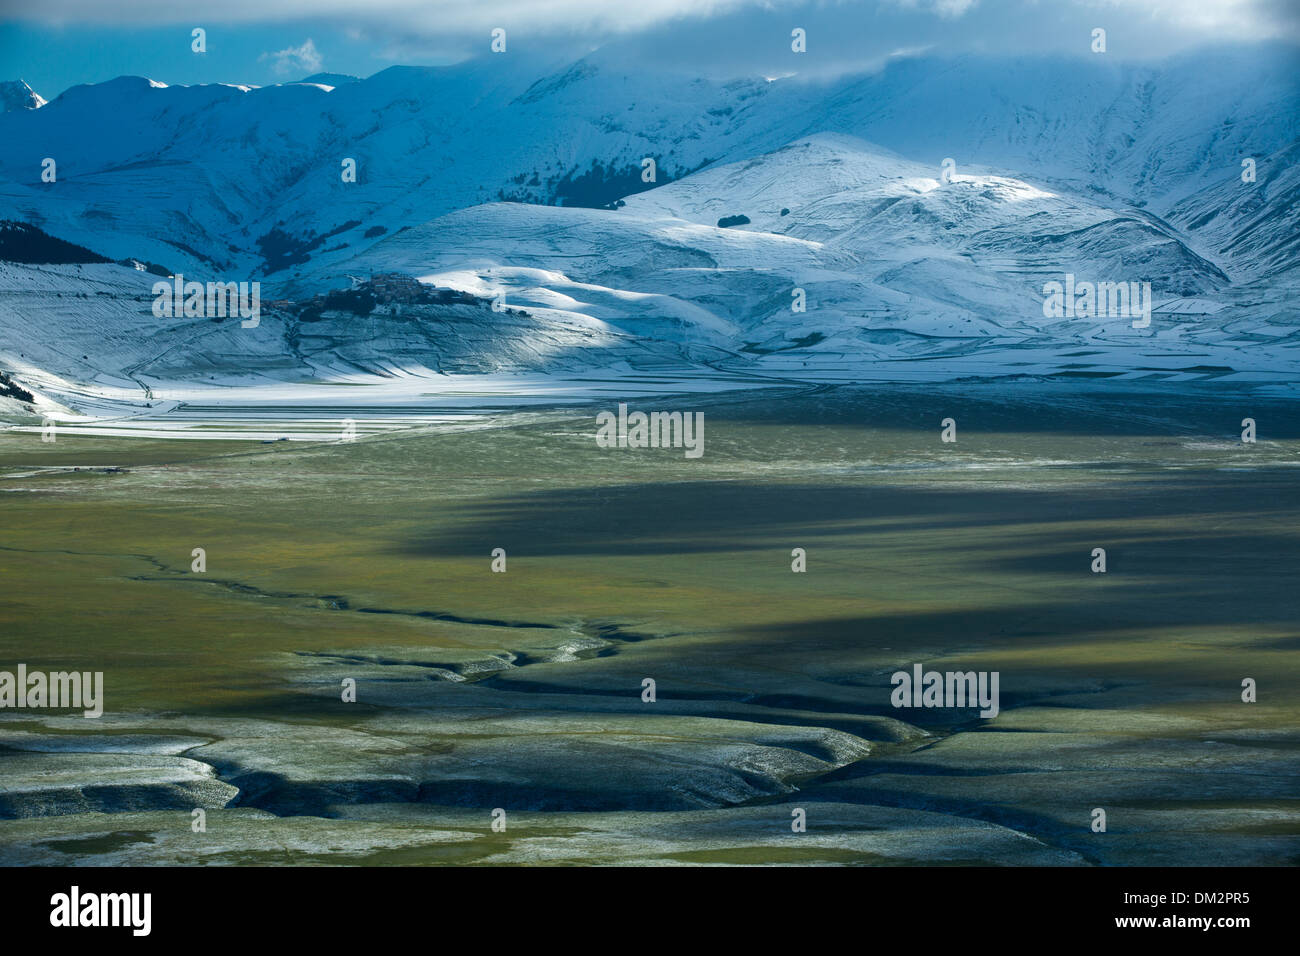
x,y
522,691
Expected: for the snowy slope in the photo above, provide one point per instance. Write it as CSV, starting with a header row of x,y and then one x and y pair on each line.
x,y
247,180
883,251
1254,227
1106,171
17,95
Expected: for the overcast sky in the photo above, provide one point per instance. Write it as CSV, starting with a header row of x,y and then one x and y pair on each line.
x,y
54,44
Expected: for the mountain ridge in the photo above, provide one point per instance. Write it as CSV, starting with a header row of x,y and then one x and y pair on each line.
x,y
489,181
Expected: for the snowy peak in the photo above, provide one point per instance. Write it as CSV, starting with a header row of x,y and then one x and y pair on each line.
x,y
621,215
881,208
330,80
17,95
248,179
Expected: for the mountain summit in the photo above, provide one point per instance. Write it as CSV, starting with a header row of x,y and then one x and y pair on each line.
x,y
930,219
17,95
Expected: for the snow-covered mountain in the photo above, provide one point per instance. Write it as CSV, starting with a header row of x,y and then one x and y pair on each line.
x,y
250,178
486,179
17,95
